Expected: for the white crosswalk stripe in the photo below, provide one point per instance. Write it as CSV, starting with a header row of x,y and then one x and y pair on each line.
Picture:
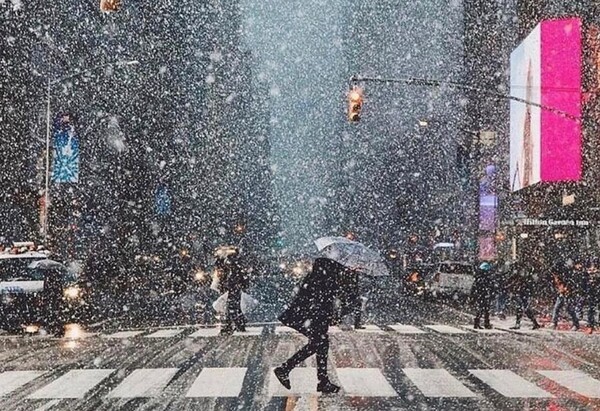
x,y
205,332
510,384
13,380
484,330
446,329
303,381
365,382
282,329
437,383
371,329
406,329
575,380
124,334
144,382
218,382
228,382
74,384
165,333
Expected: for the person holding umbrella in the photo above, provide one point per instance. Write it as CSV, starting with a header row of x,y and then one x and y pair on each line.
x,y
311,312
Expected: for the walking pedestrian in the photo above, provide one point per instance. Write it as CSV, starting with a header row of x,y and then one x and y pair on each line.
x,y
562,277
350,298
233,281
592,293
311,312
520,286
481,295
500,279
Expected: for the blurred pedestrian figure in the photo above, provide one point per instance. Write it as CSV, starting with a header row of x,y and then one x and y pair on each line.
x,y
592,293
562,278
311,312
520,285
580,279
481,295
233,281
53,295
351,301
502,274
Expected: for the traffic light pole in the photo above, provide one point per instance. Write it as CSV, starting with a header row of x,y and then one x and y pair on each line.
x,y
416,81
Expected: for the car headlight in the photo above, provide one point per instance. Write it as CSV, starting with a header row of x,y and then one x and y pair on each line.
x,y
72,293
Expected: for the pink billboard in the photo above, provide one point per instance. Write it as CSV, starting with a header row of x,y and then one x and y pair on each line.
x,y
546,69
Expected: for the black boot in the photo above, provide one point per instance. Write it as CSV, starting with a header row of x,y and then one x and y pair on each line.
x,y
477,324
283,375
327,387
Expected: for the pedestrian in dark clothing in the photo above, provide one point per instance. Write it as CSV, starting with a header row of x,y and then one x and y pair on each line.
x,y
311,312
350,298
520,285
564,283
53,294
233,281
482,292
592,293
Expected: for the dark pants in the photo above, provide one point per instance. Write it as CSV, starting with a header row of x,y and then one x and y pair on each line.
x,y
482,310
561,301
524,308
592,303
234,315
318,343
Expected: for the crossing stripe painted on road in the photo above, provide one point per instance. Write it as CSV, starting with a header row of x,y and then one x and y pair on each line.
x,y
575,380
303,381
406,329
13,380
218,382
510,384
365,382
143,383
74,384
282,329
446,329
250,331
205,332
166,333
371,329
437,383
483,330
124,334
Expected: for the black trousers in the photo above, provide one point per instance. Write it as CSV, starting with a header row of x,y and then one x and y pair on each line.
x,y
234,313
318,343
482,310
523,307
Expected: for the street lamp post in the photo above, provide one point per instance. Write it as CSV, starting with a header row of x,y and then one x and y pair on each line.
x,y
50,84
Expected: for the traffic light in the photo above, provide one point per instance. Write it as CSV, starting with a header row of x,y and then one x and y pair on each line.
x,y
110,5
355,100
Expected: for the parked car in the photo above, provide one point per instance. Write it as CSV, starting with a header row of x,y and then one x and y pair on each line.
x,y
451,279
36,292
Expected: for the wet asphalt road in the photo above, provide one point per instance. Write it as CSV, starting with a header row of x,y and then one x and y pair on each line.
x,y
386,367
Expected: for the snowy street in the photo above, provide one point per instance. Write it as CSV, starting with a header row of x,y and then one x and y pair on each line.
x,y
414,363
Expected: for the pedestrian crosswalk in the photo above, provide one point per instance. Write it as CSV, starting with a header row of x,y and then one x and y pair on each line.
x,y
228,382
281,330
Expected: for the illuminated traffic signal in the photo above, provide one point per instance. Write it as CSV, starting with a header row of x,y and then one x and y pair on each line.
x,y
110,5
355,101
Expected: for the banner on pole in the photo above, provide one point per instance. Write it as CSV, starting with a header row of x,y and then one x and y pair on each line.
x,y
65,165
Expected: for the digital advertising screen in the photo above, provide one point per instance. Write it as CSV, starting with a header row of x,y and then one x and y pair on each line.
x,y
546,69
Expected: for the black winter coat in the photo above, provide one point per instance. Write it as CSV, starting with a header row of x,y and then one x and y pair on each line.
x,y
483,287
312,309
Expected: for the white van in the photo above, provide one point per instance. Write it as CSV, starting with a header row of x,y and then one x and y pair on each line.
x,y
451,278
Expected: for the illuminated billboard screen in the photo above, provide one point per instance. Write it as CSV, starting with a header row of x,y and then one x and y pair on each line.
x,y
545,69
